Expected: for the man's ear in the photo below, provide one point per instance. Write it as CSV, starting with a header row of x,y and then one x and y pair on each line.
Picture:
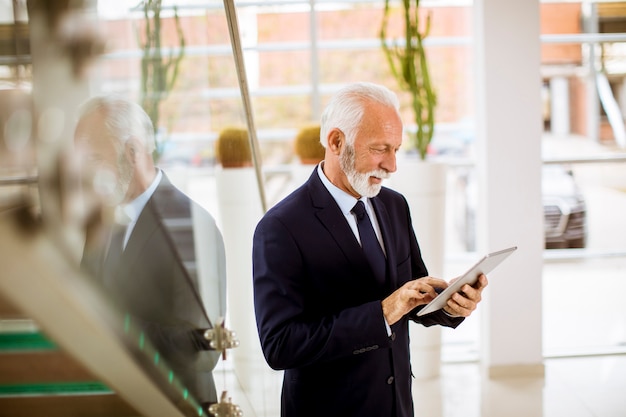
x,y
130,150
336,140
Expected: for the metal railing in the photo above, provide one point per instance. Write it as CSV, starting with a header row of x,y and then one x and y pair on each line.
x,y
18,180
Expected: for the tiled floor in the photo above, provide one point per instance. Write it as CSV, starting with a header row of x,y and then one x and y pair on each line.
x,y
592,386
573,387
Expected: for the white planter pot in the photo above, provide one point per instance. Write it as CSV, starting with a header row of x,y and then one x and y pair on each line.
x,y
423,183
240,210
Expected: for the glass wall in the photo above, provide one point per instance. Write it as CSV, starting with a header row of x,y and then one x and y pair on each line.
x,y
584,174
298,53
583,183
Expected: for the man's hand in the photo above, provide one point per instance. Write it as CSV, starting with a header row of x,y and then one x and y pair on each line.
x,y
410,295
462,303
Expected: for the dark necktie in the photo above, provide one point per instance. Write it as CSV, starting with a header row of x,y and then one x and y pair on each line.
x,y
114,254
369,242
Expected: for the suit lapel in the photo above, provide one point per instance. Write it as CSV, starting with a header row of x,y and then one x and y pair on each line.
x,y
139,237
330,215
146,225
148,222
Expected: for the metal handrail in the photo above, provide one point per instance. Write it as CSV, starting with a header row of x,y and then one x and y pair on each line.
x,y
18,180
600,159
586,160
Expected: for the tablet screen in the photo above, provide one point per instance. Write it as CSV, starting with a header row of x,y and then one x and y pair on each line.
x,y
484,266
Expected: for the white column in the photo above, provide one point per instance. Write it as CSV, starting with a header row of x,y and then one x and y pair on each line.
x,y
559,106
591,61
240,210
508,120
423,184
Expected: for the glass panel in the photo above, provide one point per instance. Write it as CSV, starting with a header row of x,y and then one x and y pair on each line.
x,y
364,64
276,112
200,100
587,217
275,22
582,86
165,279
280,69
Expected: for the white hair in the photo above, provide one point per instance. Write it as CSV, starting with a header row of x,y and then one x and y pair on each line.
x,y
123,119
345,109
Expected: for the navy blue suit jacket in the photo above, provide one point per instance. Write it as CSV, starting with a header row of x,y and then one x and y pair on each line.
x,y
318,306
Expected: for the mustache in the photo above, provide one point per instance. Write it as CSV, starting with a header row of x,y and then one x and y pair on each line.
x,y
379,173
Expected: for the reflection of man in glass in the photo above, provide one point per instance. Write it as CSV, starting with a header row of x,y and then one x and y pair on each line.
x,y
147,262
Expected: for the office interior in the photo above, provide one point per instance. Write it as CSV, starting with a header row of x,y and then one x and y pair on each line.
x,y
529,92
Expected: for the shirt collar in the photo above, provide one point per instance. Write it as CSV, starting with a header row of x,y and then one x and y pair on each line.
x,y
129,213
344,200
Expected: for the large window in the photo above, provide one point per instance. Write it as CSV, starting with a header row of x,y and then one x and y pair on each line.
x,y
297,53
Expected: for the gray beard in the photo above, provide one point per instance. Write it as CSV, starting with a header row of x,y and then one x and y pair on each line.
x,y
359,181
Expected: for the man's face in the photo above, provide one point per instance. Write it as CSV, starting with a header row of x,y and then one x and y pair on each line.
x,y
111,174
372,157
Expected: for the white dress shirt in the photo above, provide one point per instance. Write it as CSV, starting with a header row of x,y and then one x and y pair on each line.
x,y
346,203
129,213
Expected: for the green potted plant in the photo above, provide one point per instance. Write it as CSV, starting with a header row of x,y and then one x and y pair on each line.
x,y
232,148
409,66
158,73
307,145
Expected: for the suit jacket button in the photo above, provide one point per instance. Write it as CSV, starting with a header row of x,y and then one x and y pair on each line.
x,y
390,380
393,336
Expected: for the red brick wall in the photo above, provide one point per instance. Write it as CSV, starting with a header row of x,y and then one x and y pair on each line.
x,y
564,18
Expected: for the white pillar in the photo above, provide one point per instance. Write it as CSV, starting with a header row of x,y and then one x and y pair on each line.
x,y
423,184
559,106
508,120
591,61
240,210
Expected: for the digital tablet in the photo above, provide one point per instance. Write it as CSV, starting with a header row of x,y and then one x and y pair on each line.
x,y
484,266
